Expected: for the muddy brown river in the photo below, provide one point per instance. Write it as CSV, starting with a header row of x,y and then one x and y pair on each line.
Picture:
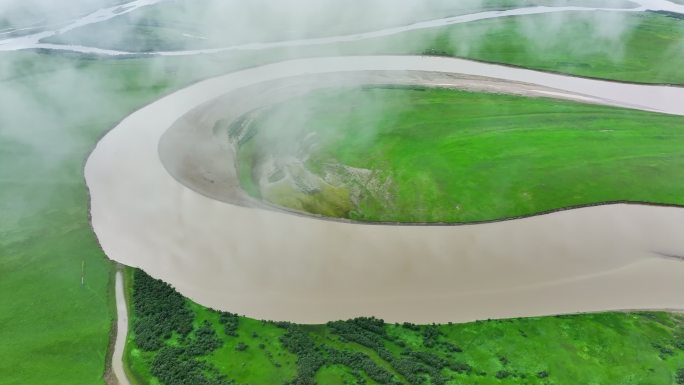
x,y
166,218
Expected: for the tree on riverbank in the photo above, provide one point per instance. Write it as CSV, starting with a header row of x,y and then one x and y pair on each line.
x,y
368,350
160,312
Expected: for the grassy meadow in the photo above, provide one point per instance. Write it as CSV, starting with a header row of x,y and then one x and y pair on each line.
x,y
454,156
47,317
53,110
647,49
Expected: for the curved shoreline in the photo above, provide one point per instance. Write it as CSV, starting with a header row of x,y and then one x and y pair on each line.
x,y
271,265
197,156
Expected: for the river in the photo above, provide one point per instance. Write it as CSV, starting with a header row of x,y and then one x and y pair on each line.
x,y
273,265
34,41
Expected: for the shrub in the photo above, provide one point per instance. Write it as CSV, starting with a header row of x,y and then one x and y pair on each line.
x,y
230,323
501,374
679,377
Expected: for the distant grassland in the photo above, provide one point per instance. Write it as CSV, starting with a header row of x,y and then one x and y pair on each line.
x,y
648,50
635,47
193,24
454,156
611,348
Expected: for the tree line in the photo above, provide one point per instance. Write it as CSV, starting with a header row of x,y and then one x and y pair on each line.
x,y
311,358
160,312
412,365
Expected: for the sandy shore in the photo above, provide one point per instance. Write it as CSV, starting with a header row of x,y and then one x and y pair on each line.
x,y
272,265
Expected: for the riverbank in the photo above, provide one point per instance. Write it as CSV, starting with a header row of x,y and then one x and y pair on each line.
x,y
649,347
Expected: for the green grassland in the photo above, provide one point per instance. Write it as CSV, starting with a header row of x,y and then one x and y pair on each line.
x,y
611,348
648,50
54,330
454,156
53,110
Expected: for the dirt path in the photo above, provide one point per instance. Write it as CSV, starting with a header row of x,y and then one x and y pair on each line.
x,y
121,332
